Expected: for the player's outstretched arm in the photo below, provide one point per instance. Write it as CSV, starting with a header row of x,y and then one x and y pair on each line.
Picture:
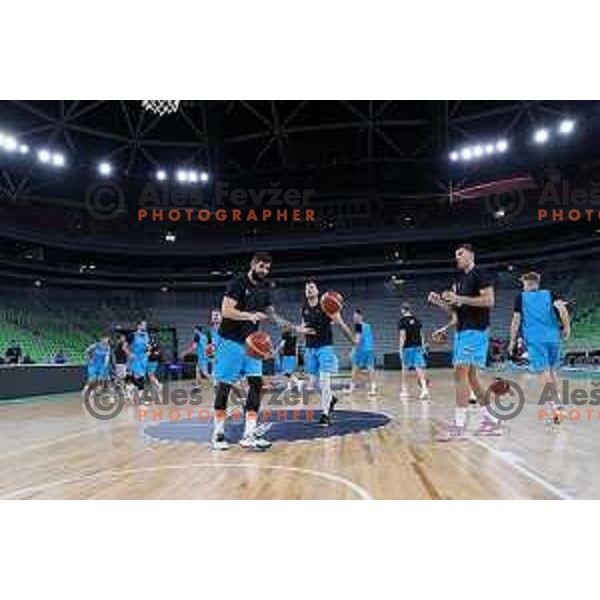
x,y
338,320
284,323
229,310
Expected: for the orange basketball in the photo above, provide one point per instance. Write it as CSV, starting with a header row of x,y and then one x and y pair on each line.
x,y
259,345
331,303
440,337
499,387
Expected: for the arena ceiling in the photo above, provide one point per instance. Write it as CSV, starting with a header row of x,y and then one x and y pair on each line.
x,y
396,146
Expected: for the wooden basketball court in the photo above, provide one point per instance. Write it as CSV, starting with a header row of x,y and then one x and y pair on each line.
x,y
51,448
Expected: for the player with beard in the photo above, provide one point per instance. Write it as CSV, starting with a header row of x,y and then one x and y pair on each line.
x,y
320,360
469,303
246,303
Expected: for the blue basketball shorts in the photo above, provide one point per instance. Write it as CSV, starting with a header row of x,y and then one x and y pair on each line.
x,y
234,362
413,358
471,348
287,364
320,360
363,359
543,356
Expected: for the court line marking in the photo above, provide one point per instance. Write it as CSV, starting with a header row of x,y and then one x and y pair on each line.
x,y
357,489
523,470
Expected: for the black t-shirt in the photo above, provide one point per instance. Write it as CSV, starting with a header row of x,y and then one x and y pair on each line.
x,y
120,355
289,343
470,284
412,328
250,297
315,318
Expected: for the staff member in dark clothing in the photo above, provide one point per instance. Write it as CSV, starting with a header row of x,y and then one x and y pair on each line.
x,y
120,357
469,303
13,353
288,353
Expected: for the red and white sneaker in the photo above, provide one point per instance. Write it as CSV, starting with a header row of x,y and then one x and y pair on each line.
x,y
489,427
453,433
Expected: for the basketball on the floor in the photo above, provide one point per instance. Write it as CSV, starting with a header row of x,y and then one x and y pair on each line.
x,y
331,303
259,345
499,386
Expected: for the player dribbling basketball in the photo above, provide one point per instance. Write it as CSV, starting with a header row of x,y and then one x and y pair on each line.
x,y
246,303
320,359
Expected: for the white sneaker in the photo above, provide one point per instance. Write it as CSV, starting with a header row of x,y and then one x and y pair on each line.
x,y
372,392
220,443
404,393
424,395
255,443
262,429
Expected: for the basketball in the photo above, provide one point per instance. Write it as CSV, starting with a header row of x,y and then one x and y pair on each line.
x,y
499,387
331,303
259,345
439,337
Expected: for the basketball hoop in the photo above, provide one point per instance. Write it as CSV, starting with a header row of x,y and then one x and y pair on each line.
x,y
161,107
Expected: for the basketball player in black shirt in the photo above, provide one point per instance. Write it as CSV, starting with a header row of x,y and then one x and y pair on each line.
x,y
410,341
246,303
320,360
469,303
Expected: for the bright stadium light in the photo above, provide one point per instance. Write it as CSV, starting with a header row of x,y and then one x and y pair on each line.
x,y
502,145
204,176
58,160
161,175
465,153
24,149
105,168
478,151
566,126
454,156
192,177
541,136
10,144
182,176
489,149
44,156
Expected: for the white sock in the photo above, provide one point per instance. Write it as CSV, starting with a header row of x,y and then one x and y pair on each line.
x,y
460,416
326,395
250,424
219,426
